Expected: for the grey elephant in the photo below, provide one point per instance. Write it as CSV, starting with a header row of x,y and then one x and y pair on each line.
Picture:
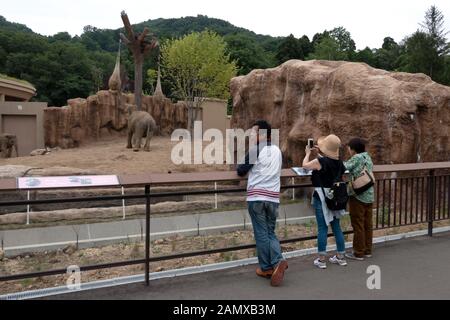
x,y
140,124
7,143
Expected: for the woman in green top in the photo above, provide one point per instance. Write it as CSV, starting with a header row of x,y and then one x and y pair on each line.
x,y
360,206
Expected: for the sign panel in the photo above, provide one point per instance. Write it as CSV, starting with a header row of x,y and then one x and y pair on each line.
x,y
67,182
302,171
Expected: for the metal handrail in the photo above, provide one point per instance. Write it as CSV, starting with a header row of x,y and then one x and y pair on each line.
x,y
154,179
158,179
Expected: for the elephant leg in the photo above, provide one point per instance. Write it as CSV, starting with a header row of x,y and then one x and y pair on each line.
x,y
138,133
8,151
129,137
17,151
137,146
148,138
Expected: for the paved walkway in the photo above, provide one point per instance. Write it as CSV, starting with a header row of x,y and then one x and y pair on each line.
x,y
414,268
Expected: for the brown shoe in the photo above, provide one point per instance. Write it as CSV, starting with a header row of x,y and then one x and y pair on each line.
x,y
265,274
278,273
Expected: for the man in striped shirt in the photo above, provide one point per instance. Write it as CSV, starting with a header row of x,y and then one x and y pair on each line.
x,y
263,163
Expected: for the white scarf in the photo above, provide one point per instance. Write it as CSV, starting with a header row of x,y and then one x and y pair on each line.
x,y
328,214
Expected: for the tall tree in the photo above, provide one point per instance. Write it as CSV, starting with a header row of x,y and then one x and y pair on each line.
x,y
248,53
344,41
387,57
426,50
366,55
419,56
327,49
198,66
434,26
336,44
289,48
389,44
318,37
306,45
140,47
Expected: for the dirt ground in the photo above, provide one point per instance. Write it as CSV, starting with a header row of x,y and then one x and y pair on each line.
x,y
110,156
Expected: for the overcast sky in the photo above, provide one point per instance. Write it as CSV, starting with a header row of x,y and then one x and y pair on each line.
x,y
368,21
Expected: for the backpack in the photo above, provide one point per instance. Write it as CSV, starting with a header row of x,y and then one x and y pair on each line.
x,y
339,196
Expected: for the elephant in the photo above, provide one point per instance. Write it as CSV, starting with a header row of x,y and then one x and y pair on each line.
x,y
140,124
7,143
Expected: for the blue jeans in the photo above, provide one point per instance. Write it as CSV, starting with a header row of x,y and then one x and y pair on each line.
x,y
322,230
264,218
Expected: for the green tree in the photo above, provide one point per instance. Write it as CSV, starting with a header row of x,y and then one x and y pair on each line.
x,y
344,40
419,56
306,45
446,72
336,44
318,37
426,50
387,57
199,67
389,44
289,48
366,55
61,36
328,49
247,53
152,77
434,27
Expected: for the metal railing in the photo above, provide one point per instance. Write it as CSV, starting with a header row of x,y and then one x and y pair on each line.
x,y
406,194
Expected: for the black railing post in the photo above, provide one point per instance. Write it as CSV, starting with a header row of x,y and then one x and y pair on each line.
x,y
147,235
431,199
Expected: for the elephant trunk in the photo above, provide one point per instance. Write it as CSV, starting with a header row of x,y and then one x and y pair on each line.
x,y
17,151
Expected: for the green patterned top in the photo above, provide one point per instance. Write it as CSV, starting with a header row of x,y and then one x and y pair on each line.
x,y
355,165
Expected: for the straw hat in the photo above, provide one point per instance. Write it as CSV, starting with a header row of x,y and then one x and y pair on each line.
x,y
329,146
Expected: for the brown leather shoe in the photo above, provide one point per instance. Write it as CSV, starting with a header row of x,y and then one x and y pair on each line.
x,y
278,273
265,274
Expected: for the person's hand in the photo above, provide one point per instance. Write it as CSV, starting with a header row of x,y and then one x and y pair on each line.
x,y
308,150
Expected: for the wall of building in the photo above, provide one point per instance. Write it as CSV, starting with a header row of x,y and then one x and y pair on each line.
x,y
26,121
214,115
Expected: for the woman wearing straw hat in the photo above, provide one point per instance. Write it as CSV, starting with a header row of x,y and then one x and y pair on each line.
x,y
326,169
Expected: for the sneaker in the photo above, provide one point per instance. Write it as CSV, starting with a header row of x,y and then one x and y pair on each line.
x,y
320,264
352,256
265,274
334,259
278,273
368,255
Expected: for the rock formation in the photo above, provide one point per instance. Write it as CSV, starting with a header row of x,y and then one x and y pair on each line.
x,y
105,114
405,117
158,90
114,82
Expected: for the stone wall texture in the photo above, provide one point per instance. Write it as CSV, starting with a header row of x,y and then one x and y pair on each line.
x,y
404,117
105,114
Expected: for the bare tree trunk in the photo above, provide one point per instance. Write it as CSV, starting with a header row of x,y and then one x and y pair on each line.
x,y
138,65
191,118
139,47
